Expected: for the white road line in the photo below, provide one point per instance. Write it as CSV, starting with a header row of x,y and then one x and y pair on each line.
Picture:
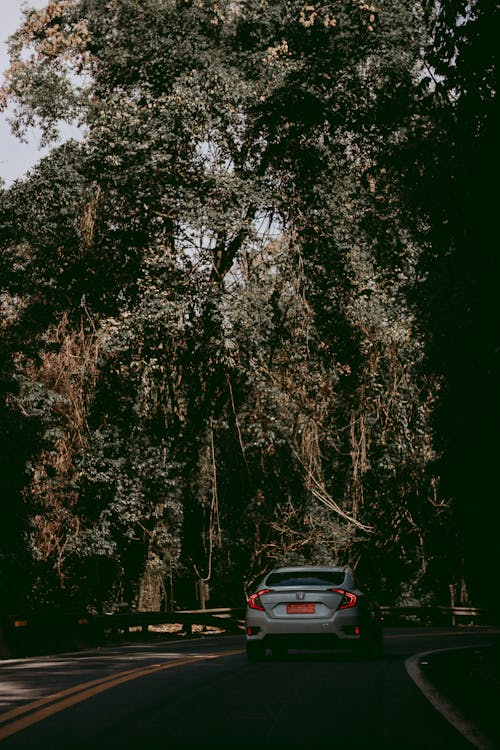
x,y
445,707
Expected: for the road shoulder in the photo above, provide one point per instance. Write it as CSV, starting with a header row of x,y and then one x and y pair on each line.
x,y
430,672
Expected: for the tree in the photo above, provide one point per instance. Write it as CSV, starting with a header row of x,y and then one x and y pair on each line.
x,y
455,193
213,336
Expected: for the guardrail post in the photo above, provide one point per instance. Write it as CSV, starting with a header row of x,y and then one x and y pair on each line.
x,y
452,604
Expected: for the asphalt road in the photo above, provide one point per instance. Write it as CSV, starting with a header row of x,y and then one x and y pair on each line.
x,y
203,693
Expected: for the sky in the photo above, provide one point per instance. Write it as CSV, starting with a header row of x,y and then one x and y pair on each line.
x,y
15,157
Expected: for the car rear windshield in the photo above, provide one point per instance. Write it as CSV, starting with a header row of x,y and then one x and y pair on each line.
x,y
306,578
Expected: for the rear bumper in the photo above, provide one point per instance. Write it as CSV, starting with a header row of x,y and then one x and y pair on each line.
x,y
346,630
340,626
306,641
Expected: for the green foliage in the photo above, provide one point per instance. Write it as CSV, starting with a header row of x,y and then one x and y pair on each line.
x,y
217,334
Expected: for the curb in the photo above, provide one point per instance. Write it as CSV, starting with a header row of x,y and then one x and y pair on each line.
x,y
445,707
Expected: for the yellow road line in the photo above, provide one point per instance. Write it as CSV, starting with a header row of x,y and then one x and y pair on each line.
x,y
38,710
53,697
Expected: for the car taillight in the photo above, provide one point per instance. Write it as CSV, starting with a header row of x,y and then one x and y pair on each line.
x,y
254,601
348,600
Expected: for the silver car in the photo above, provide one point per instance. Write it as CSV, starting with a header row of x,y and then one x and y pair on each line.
x,y
311,607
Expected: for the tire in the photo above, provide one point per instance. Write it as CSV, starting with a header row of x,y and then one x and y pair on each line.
x,y
279,652
371,649
255,651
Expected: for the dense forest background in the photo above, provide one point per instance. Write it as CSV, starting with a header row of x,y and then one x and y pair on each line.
x,y
251,317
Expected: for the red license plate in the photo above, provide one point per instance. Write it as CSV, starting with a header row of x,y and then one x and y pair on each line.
x,y
300,608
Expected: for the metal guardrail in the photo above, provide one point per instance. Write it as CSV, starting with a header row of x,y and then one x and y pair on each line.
x,y
442,615
38,633
50,632
233,618
224,618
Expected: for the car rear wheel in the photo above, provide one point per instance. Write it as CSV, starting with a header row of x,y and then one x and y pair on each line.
x,y
279,652
255,651
371,648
